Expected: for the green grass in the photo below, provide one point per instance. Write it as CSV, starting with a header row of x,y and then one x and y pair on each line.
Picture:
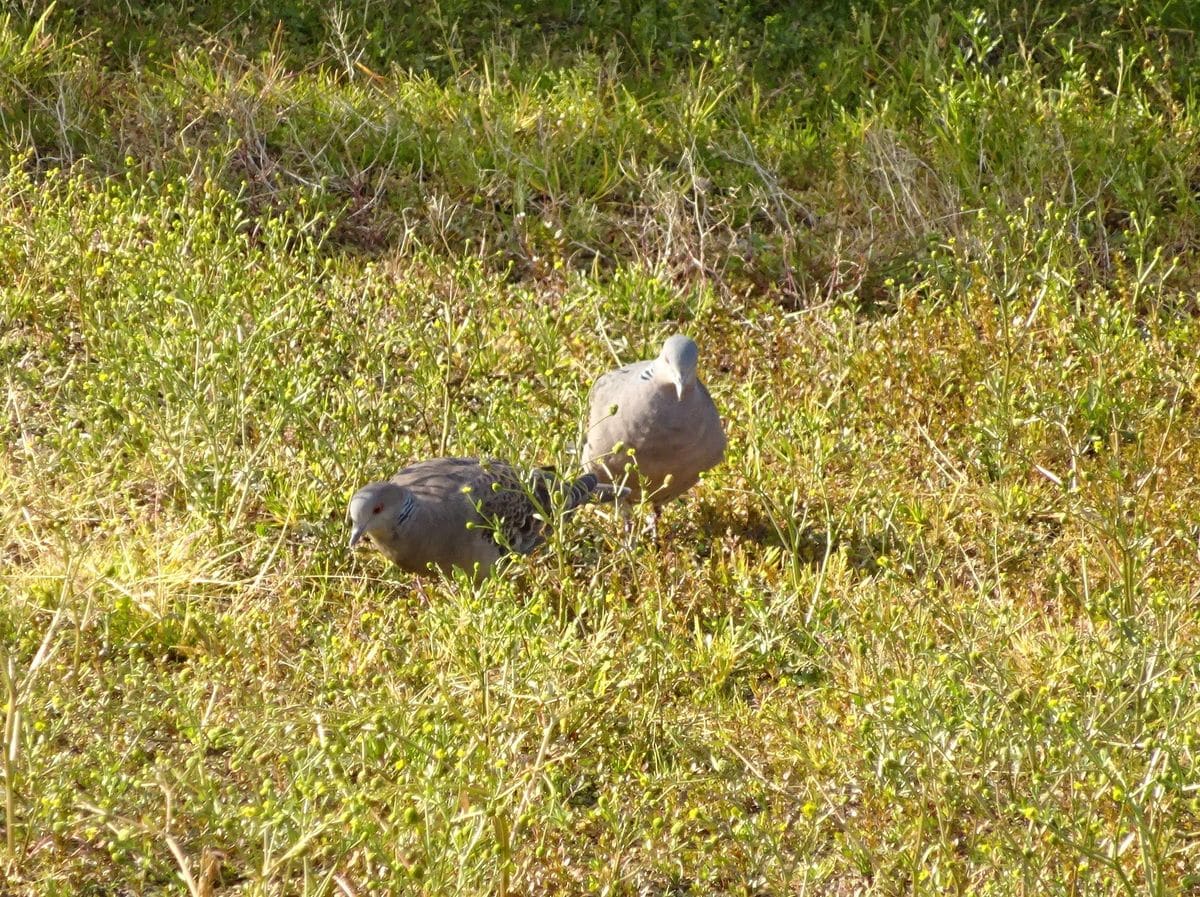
x,y
931,628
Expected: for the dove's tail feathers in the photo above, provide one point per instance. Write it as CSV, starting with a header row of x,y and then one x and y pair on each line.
x,y
603,493
589,488
580,491
573,494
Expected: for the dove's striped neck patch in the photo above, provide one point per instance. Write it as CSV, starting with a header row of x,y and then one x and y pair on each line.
x,y
648,374
410,505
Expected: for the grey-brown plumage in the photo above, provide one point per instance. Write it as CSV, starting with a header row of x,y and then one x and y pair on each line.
x,y
661,412
462,512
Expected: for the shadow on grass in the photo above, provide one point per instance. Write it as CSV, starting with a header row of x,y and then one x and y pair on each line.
x,y
808,544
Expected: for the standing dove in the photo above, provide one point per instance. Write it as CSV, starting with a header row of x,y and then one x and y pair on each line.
x,y
462,512
659,416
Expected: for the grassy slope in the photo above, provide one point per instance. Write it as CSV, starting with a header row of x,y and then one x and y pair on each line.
x,y
930,629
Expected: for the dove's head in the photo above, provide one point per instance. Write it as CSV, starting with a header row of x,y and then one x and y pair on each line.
x,y
679,357
378,510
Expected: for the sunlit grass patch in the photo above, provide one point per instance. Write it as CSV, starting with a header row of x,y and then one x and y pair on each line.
x,y
931,625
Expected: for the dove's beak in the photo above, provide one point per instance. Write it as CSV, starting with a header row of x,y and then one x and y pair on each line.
x,y
677,380
356,535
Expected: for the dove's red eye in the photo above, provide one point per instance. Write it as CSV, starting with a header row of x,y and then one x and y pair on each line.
x,y
378,508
